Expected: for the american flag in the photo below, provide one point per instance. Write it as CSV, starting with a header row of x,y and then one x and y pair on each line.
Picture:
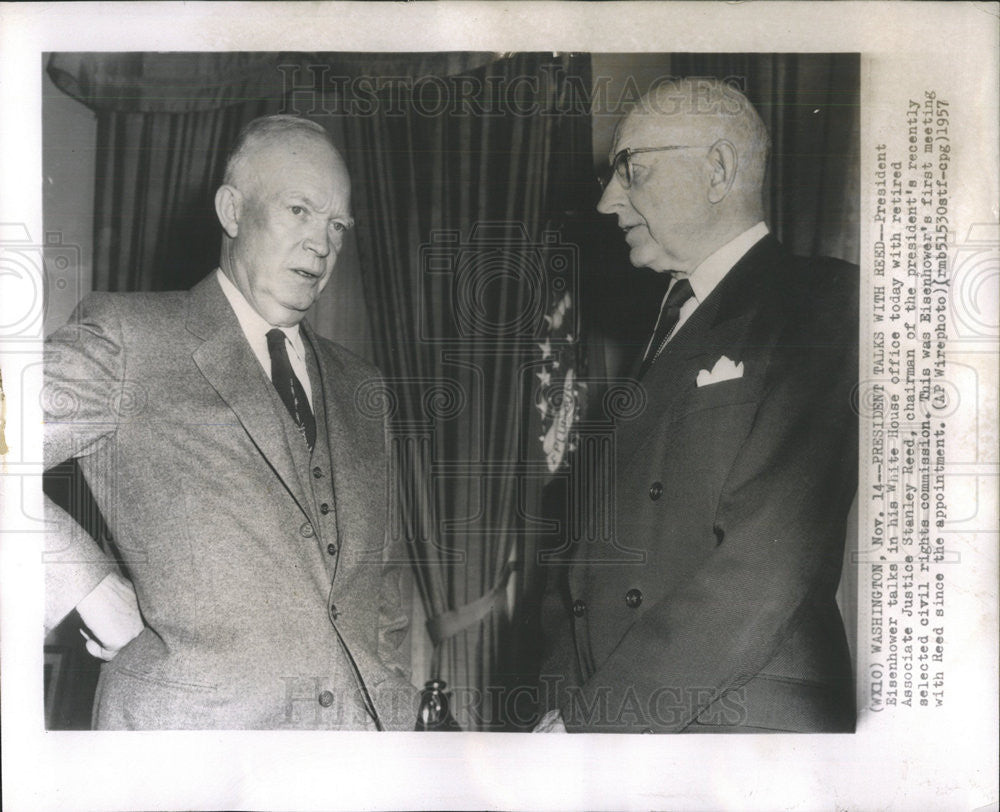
x,y
560,395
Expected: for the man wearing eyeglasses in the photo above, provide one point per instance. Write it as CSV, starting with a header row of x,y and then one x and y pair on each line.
x,y
717,610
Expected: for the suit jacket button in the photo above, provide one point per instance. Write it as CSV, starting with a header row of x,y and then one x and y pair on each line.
x,y
307,530
324,508
331,549
656,491
633,598
579,607
317,472
334,611
326,699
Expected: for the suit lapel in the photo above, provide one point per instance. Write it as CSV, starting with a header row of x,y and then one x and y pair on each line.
x,y
720,325
229,365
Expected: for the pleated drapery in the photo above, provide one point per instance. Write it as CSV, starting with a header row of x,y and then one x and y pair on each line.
x,y
463,211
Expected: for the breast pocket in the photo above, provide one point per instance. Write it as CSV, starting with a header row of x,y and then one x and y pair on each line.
x,y
735,392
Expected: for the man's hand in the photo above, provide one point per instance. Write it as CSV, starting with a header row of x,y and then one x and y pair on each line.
x,y
111,611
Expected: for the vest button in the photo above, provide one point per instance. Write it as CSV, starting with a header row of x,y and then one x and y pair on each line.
x,y
307,530
331,549
579,607
656,491
633,598
326,699
334,611
324,508
317,472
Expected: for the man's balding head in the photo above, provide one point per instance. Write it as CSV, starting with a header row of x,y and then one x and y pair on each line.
x,y
711,110
677,206
266,133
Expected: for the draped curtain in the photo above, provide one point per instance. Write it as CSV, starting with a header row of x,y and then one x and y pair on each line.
x,y
458,206
164,126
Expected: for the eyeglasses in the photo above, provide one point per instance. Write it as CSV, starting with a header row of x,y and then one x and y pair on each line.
x,y
622,167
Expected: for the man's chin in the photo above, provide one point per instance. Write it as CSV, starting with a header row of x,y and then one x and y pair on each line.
x,y
297,301
287,313
642,257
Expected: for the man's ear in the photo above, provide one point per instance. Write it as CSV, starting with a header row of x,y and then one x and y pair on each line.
x,y
228,205
724,162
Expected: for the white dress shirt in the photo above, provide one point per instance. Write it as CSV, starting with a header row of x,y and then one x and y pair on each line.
x,y
711,271
256,328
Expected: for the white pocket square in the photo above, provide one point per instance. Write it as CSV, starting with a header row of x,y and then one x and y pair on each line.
x,y
724,370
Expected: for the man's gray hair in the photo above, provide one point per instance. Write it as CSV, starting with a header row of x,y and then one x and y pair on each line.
x,y
263,132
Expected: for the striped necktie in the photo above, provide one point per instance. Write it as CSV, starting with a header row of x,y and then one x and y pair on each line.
x,y
289,387
670,314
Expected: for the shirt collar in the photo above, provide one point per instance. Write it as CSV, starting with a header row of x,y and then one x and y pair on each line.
x,y
715,266
255,327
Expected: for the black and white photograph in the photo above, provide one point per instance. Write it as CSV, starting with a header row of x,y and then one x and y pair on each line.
x,y
368,392
689,578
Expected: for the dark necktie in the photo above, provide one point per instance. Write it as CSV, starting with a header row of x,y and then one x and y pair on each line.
x,y
289,387
670,313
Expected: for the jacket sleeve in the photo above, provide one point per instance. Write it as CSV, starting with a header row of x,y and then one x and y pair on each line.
x,y
780,524
82,392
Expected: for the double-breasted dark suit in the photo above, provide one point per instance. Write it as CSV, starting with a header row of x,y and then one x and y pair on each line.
x,y
715,607
269,594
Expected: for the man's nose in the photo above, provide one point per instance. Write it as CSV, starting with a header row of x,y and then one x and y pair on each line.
x,y
612,198
318,241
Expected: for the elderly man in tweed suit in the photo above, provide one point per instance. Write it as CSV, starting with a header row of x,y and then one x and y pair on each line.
x,y
243,479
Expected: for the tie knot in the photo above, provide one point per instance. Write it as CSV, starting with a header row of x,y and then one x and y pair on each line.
x,y
275,339
679,293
